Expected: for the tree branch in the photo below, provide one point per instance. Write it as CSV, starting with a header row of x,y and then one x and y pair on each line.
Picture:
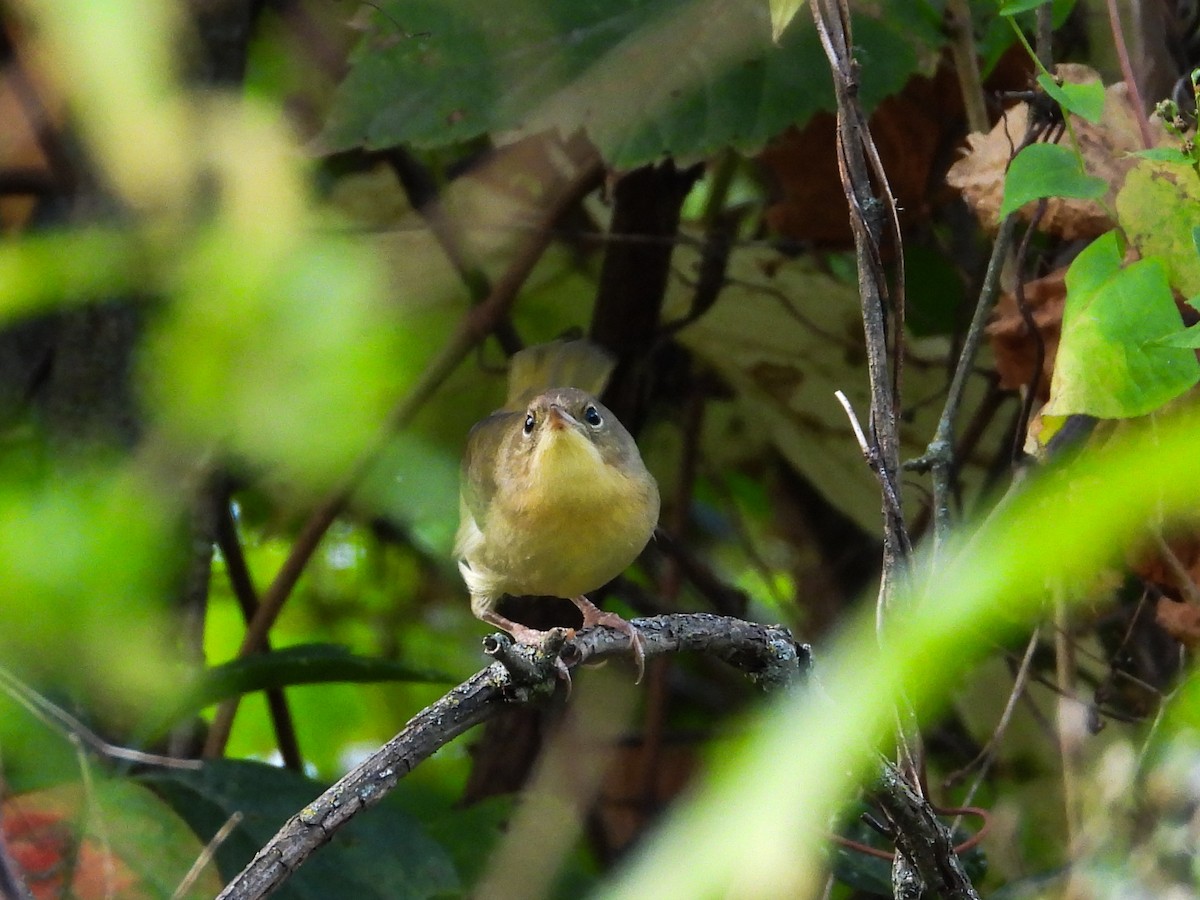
x,y
767,654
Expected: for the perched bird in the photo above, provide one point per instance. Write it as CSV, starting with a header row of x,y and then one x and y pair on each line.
x,y
555,499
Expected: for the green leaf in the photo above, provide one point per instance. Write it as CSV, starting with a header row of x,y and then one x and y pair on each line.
x,y
1047,170
1165,154
1157,208
782,13
1112,360
1084,100
1016,7
641,79
290,666
386,855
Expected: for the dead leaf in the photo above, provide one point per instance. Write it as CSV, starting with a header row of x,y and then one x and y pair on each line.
x,y
1014,347
1180,620
1105,148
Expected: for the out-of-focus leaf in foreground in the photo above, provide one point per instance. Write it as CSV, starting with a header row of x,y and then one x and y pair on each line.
x,y
752,831
87,567
275,343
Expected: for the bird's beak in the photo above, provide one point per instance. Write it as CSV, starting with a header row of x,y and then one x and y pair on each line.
x,y
559,419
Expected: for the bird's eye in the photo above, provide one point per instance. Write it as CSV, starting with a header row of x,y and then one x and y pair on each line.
x,y
529,422
591,415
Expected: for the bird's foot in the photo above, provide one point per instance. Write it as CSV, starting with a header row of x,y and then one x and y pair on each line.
x,y
546,643
594,615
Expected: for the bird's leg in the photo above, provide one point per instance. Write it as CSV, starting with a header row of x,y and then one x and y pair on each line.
x,y
594,615
522,634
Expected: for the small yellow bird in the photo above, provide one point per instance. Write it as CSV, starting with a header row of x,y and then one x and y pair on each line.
x,y
555,499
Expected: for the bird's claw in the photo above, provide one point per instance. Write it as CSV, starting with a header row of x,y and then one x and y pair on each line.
x,y
594,616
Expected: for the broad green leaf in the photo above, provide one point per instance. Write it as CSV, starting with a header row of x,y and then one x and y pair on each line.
x,y
680,77
1047,170
782,13
1112,362
1084,100
1158,208
384,853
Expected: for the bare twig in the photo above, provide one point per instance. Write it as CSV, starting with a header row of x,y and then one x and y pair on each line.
x,y
1135,93
58,719
768,654
247,599
966,63
206,855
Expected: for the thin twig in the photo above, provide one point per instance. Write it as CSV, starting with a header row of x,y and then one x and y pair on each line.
x,y
207,854
58,719
242,584
985,756
1135,93
966,63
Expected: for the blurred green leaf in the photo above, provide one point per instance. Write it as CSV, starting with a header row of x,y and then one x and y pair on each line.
x,y
1112,362
382,854
68,267
1015,7
1047,170
282,356
782,13
681,77
87,561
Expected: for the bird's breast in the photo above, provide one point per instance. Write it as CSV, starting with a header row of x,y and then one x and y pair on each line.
x,y
572,526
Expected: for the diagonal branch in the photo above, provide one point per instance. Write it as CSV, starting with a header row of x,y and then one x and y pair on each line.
x,y
768,654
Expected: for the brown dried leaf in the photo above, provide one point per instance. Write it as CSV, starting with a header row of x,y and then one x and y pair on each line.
x,y
979,174
1180,620
1014,348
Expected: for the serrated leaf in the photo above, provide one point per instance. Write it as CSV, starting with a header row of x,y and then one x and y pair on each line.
x,y
1047,170
681,77
1085,100
1112,360
1158,209
383,855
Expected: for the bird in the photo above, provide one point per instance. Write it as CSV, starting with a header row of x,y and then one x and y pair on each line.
x,y
555,499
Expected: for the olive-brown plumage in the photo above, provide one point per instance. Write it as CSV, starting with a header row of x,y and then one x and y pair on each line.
x,y
555,498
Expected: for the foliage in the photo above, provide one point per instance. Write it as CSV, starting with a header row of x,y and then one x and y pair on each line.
x,y
233,311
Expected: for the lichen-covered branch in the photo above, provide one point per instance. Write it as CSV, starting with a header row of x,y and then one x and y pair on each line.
x,y
766,653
